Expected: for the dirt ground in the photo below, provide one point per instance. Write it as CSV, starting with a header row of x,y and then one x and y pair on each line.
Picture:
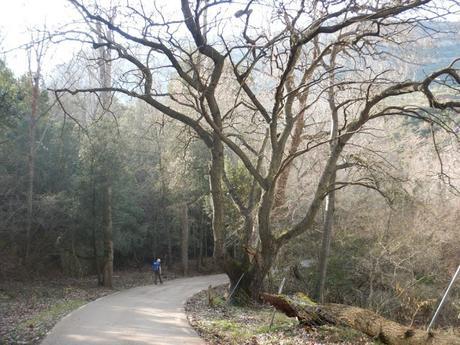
x,y
231,325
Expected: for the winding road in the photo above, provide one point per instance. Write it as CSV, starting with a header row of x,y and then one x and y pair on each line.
x,y
152,315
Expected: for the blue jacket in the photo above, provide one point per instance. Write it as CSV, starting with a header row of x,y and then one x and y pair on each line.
x,y
156,266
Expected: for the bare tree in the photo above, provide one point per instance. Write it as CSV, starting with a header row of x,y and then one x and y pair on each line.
x,y
227,89
105,77
36,52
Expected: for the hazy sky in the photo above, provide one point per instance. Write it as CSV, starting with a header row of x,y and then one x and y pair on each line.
x,y
17,17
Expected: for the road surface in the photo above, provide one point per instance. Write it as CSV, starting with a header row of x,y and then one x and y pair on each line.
x,y
152,315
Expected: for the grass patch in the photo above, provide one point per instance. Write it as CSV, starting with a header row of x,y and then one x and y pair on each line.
x,y
250,325
240,325
231,329
281,323
337,334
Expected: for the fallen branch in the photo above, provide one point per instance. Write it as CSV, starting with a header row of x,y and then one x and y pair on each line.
x,y
366,321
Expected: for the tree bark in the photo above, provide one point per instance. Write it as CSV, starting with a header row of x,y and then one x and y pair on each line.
x,y
215,178
330,197
185,238
94,240
280,196
366,321
105,75
166,231
108,234
31,158
31,167
326,241
201,244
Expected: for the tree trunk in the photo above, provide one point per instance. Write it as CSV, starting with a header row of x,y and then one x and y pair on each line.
x,y
184,238
170,254
326,241
247,275
201,246
262,258
256,260
105,76
261,271
76,266
330,197
94,236
363,320
265,257
280,196
31,163
165,230
108,243
216,176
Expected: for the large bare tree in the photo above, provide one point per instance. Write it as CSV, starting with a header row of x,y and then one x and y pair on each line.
x,y
242,83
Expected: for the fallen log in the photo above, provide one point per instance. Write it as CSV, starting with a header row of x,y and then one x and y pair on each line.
x,y
366,321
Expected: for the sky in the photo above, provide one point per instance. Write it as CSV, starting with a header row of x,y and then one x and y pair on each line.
x,y
18,17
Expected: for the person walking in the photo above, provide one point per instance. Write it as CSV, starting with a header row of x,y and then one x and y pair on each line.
x,y
156,267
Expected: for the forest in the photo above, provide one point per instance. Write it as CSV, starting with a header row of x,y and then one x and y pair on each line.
x,y
309,142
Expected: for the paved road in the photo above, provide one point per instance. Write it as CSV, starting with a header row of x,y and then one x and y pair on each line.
x,y
152,315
